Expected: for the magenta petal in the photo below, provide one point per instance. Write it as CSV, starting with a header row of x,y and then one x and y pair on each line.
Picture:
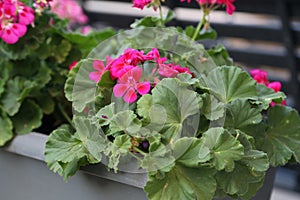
x,y
136,73
130,96
19,29
9,36
120,89
99,65
276,86
143,88
95,76
26,18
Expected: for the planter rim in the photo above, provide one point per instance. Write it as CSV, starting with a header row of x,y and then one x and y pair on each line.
x,y
32,146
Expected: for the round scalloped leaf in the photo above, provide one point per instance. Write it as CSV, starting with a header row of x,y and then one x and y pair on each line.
x,y
228,83
64,153
184,108
28,118
239,114
91,137
79,88
195,183
15,91
187,152
282,138
224,148
240,181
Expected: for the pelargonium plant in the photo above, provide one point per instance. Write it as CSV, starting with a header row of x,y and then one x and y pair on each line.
x,y
153,100
36,48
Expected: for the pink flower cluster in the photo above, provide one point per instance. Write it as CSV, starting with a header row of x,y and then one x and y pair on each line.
x,y
261,77
127,71
230,8
140,3
69,9
14,18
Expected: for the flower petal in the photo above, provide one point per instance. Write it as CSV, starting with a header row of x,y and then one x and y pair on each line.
x,y
276,86
19,29
143,88
98,65
136,73
130,96
120,89
9,36
95,76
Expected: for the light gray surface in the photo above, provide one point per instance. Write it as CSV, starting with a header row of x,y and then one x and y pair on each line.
x,y
32,146
23,178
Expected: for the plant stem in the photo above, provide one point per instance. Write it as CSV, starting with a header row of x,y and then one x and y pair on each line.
x,y
65,115
200,24
139,151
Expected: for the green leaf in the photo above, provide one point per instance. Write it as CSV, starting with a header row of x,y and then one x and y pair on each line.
x,y
4,75
106,114
63,151
220,55
14,94
212,109
106,81
240,114
123,142
223,147
144,105
28,118
125,121
83,91
45,102
188,152
229,83
230,182
62,51
183,183
161,159
91,137
205,33
267,95
282,138
153,21
6,128
187,78
182,116
87,42
68,89
43,76
255,160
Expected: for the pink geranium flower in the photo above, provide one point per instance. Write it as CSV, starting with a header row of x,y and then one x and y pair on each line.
x,y
276,86
126,62
69,9
154,55
167,71
100,69
140,3
230,8
11,32
260,76
128,85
